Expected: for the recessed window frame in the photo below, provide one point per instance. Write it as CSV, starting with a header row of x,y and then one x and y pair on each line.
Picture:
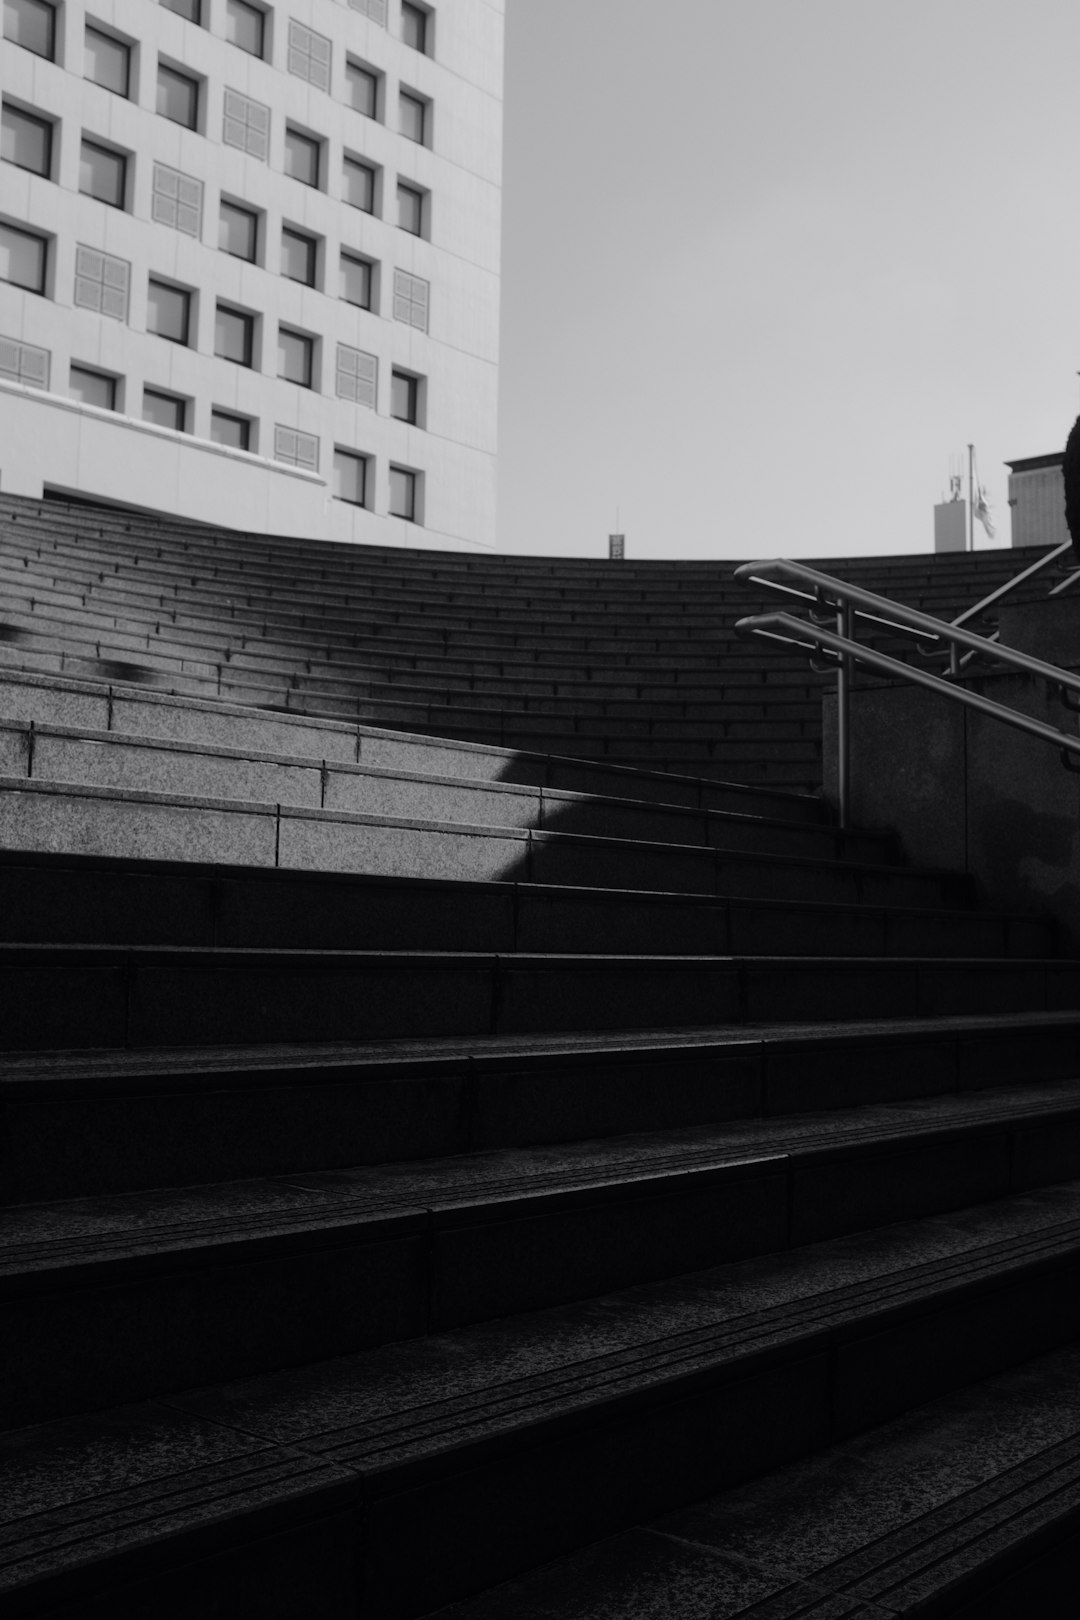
x,y
299,256
370,84
184,307
414,116
169,75
44,12
297,356
41,241
252,217
301,143
114,166
369,267
190,10
359,180
417,27
231,323
412,208
15,120
125,55
243,14
110,392
219,418
406,396
181,422
352,464
406,493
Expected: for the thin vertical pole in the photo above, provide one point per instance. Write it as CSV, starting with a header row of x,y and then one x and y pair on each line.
x,y
971,498
843,717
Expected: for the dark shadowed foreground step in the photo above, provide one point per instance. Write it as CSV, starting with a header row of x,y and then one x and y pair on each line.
x,y
966,1509
83,1123
417,1473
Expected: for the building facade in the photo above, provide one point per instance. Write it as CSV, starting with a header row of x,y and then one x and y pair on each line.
x,y
1037,500
249,261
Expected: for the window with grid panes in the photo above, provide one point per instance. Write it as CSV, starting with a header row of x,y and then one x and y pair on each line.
x,y
245,26
295,448
25,141
238,231
177,97
356,376
363,89
92,388
31,24
164,410
246,125
296,357
412,298
299,256
102,174
106,61
309,55
24,363
23,257
234,335
168,312
177,200
301,157
101,283
355,284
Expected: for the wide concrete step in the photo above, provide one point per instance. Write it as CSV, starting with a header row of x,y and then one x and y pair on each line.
x,y
111,759
968,1507
61,817
84,996
126,709
95,1122
398,1251
497,1446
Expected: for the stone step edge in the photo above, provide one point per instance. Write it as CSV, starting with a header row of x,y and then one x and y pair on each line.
x,y
174,1517
541,795
174,1228
112,692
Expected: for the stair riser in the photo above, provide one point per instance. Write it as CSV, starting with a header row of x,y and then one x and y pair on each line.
x,y
79,1138
101,1001
146,1326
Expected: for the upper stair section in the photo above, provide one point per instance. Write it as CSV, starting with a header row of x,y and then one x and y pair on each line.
x,y
635,664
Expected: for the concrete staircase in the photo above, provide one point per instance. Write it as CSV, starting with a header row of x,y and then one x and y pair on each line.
x,y
423,1159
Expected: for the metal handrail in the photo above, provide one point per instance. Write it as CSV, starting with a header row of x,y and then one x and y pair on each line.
x,y
828,590
1011,584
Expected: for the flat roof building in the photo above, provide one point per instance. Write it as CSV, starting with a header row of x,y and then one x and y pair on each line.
x,y
1037,500
249,261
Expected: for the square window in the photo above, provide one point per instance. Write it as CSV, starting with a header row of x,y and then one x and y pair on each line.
x,y
31,24
22,258
92,388
362,88
234,431
24,363
177,97
246,124
412,117
176,200
299,256
168,312
234,335
296,357
404,396
403,494
102,174
355,286
26,141
101,283
414,26
410,209
164,410
302,157
309,55
107,61
245,26
191,9
350,477
358,184
238,231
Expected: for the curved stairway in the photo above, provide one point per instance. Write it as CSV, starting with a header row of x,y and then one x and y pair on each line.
x,y
426,1160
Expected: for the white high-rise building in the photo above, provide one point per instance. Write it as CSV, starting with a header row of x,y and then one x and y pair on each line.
x,y
249,261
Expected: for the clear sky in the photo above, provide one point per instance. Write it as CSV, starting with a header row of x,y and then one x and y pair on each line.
x,y
770,265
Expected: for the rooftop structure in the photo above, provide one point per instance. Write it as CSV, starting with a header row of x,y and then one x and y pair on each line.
x,y
249,261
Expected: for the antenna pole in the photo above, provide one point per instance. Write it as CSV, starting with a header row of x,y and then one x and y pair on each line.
x,y
971,498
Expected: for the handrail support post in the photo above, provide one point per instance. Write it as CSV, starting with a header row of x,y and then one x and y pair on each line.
x,y
843,717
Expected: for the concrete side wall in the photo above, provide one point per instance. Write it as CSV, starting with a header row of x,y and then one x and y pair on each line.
x,y
1037,504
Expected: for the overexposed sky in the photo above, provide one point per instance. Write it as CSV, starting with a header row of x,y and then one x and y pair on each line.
x,y
769,266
